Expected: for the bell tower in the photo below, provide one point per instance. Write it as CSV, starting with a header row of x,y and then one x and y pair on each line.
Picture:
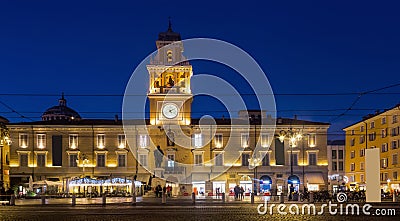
x,y
169,91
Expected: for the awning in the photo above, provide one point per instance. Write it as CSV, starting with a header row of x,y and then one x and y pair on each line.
x,y
143,177
314,178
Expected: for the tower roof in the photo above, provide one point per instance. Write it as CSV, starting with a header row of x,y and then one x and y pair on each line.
x,y
169,35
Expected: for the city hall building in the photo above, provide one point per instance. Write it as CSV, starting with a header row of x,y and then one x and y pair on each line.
x,y
97,155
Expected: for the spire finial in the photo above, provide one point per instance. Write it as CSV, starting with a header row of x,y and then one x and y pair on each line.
x,y
169,24
62,101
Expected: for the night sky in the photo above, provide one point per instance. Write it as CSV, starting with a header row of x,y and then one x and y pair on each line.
x,y
318,55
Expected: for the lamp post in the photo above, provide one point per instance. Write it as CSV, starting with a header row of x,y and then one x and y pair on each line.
x,y
294,136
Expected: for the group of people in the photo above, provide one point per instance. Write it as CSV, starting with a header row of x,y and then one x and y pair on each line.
x,y
160,190
239,192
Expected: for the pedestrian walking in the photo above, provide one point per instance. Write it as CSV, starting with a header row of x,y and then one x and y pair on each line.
x,y
241,193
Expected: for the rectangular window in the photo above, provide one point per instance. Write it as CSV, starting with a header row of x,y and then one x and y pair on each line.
x,y
265,142
383,120
362,139
384,163
362,178
41,160
198,159
340,154
218,140
23,140
395,175
73,141
143,160
245,140
143,141
23,160
121,141
219,159
362,152
198,140
341,166
383,133
101,160
362,166
334,154
395,131
312,140
41,141
394,119
121,160
394,144
312,159
295,159
372,125
352,167
265,160
352,142
352,154
101,141
245,159
171,160
361,128
372,136
384,148
352,132
334,166
73,160
394,159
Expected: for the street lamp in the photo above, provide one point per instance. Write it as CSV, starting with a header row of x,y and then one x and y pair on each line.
x,y
254,162
294,136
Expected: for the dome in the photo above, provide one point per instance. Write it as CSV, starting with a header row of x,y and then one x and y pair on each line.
x,y
60,112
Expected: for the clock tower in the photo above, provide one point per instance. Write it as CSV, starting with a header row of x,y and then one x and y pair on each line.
x,y
169,92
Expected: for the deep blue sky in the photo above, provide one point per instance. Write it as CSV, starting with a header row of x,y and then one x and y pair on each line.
x,y
92,47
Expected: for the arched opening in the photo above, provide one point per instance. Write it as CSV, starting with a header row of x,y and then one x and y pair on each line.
x,y
265,184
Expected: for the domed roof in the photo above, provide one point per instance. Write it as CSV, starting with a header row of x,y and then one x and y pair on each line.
x,y
60,112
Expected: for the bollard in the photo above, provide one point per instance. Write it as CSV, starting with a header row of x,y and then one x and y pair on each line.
x,y
73,199
193,198
164,198
223,197
282,198
12,200
43,200
252,198
104,199
311,199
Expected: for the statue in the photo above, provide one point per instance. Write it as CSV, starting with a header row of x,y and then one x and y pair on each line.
x,y
170,139
170,82
158,156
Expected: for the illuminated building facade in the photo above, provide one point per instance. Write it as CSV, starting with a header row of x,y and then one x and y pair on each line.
x,y
379,130
72,147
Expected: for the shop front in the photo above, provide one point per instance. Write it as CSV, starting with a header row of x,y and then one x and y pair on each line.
x,y
199,188
315,181
265,184
96,187
218,187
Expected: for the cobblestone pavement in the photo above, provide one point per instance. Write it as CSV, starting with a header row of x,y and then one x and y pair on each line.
x,y
165,213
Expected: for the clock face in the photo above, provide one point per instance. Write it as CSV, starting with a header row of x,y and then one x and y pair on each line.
x,y
170,110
